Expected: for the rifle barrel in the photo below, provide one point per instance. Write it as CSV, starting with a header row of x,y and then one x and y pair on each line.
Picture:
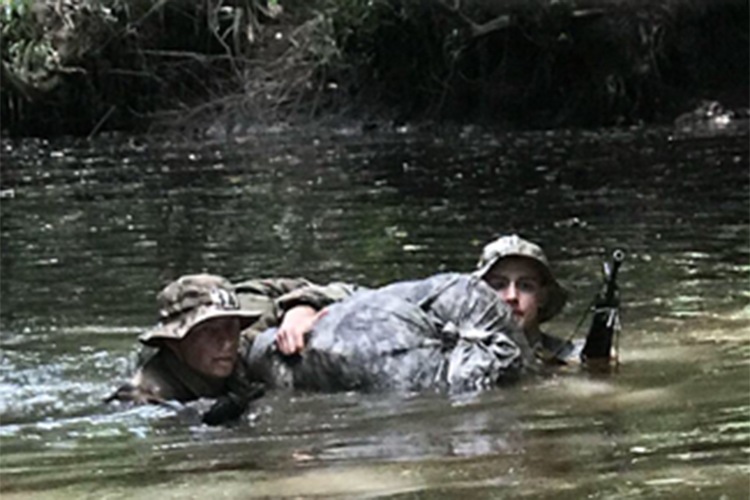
x,y
618,257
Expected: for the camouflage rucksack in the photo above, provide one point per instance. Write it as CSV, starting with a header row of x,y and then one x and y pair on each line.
x,y
448,331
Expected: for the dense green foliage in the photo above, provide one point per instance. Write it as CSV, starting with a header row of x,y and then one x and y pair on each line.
x,y
81,66
88,65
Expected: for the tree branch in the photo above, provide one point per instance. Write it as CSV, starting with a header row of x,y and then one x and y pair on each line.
x,y
501,22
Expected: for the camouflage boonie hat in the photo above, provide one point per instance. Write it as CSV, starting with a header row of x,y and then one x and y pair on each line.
x,y
191,300
515,246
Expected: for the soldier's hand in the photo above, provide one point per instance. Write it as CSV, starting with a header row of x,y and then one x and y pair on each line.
x,y
232,405
224,410
299,320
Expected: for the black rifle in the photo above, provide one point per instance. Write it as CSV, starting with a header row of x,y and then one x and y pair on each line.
x,y
605,321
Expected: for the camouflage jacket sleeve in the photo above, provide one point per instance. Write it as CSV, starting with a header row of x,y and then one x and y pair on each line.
x,y
271,288
316,296
286,293
151,383
273,297
262,295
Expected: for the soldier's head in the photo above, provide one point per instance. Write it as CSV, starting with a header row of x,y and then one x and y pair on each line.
x,y
518,270
200,321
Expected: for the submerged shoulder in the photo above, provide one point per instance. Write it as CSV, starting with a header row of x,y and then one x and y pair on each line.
x,y
151,383
557,350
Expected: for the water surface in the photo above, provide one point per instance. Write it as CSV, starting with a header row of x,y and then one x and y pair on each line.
x,y
92,229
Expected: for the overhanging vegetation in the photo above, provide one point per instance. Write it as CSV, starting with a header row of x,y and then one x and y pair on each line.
x,y
84,66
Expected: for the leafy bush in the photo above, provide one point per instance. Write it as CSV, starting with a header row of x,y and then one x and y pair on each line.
x,y
82,64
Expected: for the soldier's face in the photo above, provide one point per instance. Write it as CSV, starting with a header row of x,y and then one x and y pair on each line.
x,y
211,348
518,282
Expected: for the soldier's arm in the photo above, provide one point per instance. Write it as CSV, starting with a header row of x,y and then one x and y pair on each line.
x,y
302,308
287,293
289,301
261,295
315,296
272,288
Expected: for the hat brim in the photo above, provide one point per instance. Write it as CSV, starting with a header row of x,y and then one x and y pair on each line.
x,y
557,295
482,271
181,326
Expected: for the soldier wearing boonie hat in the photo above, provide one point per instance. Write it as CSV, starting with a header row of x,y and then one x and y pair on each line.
x,y
191,300
520,272
197,339
196,308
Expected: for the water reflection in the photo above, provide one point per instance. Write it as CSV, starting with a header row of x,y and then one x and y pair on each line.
x,y
94,229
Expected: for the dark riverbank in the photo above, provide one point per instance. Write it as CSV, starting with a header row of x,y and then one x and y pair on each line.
x,y
86,67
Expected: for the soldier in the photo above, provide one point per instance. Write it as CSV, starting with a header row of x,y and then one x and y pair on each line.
x,y
450,331
520,273
198,340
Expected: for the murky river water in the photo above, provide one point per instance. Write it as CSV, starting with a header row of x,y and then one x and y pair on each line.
x,y
92,230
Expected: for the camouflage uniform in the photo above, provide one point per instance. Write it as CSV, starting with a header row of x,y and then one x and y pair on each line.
x,y
183,304
450,331
163,377
195,298
554,350
275,296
